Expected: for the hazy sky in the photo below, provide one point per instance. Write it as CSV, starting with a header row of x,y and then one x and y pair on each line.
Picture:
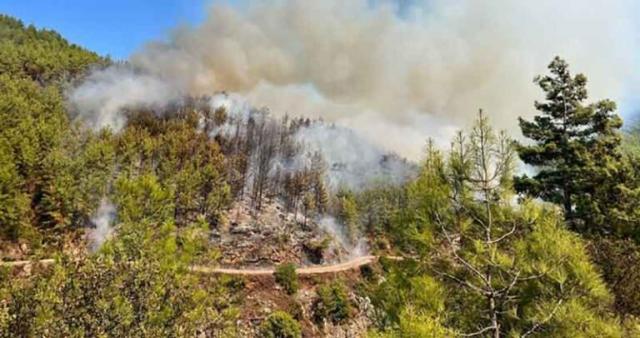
x,y
599,37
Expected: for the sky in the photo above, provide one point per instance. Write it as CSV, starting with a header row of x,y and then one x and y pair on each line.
x,y
114,27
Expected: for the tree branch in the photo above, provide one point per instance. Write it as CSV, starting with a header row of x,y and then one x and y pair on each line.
x,y
462,260
463,282
539,324
479,332
511,232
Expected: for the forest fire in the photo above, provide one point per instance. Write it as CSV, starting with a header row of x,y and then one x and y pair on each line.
x,y
302,168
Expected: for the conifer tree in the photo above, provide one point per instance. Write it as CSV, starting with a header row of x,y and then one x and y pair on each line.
x,y
490,269
348,214
575,149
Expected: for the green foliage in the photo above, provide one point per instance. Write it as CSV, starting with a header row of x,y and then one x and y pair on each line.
x,y
13,202
286,276
425,195
142,199
582,167
280,325
576,151
484,265
575,319
5,293
41,55
41,151
412,324
476,261
620,264
347,211
165,176
34,124
406,289
410,304
333,303
182,158
138,285
379,205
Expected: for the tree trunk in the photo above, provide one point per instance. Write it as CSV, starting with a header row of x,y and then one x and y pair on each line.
x,y
567,205
494,316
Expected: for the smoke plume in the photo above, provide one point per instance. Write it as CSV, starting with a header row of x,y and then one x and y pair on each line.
x,y
103,221
395,73
336,230
350,160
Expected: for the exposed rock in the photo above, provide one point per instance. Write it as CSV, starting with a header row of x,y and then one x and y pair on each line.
x,y
272,236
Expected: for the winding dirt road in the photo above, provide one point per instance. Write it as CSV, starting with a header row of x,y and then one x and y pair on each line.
x,y
309,270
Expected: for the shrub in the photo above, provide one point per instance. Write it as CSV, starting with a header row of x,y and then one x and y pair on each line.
x,y
367,272
295,309
280,325
620,263
234,283
286,277
332,303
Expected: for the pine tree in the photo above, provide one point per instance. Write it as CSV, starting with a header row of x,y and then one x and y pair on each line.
x,y
321,196
575,149
491,269
13,202
348,214
309,205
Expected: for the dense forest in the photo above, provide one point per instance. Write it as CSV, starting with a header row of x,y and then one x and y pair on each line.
x,y
468,244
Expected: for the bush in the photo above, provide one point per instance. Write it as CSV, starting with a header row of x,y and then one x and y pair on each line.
x,y
234,283
280,325
367,272
286,277
619,260
295,309
332,303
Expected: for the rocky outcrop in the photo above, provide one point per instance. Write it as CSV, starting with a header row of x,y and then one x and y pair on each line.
x,y
272,236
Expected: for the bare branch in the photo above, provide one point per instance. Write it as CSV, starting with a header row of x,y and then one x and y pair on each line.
x,y
511,232
505,290
479,332
463,282
462,260
475,218
538,276
547,319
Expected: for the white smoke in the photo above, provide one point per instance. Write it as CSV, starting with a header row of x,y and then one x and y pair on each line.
x,y
105,93
103,221
396,78
336,230
352,162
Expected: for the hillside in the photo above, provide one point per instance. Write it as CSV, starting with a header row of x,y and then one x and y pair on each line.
x,y
204,215
84,194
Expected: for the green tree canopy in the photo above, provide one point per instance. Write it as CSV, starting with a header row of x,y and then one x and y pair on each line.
x,y
484,266
575,150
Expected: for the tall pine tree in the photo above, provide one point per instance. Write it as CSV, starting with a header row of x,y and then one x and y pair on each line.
x,y
575,150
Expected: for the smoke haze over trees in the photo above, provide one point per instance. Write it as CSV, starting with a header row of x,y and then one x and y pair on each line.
x,y
288,124
360,64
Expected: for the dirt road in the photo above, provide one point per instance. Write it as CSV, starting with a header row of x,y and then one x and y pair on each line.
x,y
309,270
